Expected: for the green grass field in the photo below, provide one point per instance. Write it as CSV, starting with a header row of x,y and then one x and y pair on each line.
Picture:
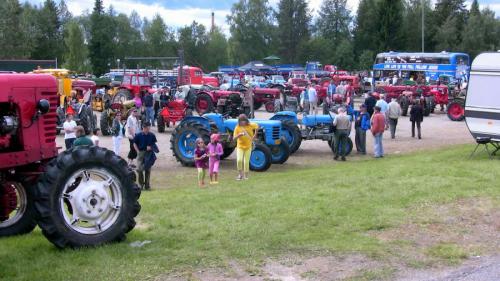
x,y
325,209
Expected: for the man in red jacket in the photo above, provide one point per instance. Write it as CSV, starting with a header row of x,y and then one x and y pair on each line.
x,y
378,128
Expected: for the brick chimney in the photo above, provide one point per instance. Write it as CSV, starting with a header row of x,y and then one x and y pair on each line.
x,y
212,28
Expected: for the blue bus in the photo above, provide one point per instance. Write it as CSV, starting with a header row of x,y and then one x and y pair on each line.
x,y
428,65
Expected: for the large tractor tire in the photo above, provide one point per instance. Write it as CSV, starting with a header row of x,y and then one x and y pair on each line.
x,y
257,105
227,152
333,147
122,96
106,127
456,110
280,153
87,120
161,123
203,104
292,135
22,217
432,104
183,142
427,106
87,197
261,158
405,104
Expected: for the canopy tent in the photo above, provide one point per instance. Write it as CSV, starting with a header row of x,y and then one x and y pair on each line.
x,y
255,66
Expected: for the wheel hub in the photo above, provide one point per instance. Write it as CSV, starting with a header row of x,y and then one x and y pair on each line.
x,y
8,201
90,200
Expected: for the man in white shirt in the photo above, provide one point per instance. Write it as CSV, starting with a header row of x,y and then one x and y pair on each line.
x,y
393,113
313,99
132,128
69,131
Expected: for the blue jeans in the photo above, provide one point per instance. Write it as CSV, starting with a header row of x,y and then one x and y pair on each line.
x,y
150,114
379,148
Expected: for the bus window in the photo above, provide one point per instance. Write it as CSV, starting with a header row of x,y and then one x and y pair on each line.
x,y
462,60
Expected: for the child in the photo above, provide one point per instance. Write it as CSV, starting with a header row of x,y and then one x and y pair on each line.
x,y
215,151
95,136
201,160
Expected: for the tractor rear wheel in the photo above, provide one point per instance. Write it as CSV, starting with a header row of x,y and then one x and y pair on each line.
x,y
280,153
292,134
106,129
333,147
183,142
257,105
21,216
261,158
87,197
87,120
122,96
161,123
227,151
405,104
456,110
203,104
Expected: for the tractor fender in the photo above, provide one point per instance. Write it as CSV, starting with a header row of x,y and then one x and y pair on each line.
x,y
198,120
210,94
216,119
286,115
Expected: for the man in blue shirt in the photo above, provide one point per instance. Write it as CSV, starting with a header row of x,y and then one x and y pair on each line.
x,y
361,125
144,142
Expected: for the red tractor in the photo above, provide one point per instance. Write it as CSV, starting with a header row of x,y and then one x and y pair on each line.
x,y
174,110
85,196
132,85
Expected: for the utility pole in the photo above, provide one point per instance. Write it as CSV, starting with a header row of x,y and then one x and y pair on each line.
x,y
423,26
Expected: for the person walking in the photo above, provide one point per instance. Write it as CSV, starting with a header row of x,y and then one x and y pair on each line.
x,y
150,111
69,127
378,128
156,107
361,125
393,114
305,101
244,134
342,123
144,142
384,106
370,102
313,99
416,118
215,152
132,128
81,138
117,132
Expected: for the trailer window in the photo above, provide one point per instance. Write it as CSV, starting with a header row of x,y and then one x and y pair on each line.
x,y
482,93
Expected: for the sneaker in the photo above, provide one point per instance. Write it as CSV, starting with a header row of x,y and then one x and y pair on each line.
x,y
336,158
238,178
211,183
343,158
245,178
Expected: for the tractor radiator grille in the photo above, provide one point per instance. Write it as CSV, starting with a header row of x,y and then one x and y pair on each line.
x,y
49,120
276,133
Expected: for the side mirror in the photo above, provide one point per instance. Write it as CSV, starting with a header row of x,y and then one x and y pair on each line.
x,y
43,106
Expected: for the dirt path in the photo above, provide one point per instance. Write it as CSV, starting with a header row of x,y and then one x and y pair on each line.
x,y
437,131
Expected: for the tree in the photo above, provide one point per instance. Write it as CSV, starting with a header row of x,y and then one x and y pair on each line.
x,y
473,38
412,27
450,8
317,49
11,39
49,36
127,38
293,18
365,31
159,41
76,55
333,21
250,24
366,60
216,50
390,28
447,35
474,9
193,40
101,39
344,55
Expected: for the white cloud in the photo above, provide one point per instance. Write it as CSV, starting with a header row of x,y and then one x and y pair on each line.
x,y
172,17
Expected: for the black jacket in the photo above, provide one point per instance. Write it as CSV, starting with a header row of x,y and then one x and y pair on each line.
x,y
370,104
416,113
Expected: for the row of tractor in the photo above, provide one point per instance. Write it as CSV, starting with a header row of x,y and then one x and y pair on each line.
x,y
277,139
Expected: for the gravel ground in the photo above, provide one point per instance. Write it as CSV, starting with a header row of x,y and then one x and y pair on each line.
x,y
437,132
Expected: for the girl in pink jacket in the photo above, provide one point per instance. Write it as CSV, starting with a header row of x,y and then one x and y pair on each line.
x,y
215,152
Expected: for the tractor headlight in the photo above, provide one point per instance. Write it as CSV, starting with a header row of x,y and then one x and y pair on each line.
x,y
277,142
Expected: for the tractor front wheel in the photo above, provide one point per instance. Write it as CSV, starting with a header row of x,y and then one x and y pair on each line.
x,y
270,106
183,141
456,110
261,158
18,215
87,197
280,153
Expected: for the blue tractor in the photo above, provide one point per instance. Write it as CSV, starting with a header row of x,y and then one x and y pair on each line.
x,y
311,127
269,148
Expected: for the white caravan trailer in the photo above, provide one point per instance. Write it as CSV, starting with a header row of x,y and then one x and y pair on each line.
x,y
482,104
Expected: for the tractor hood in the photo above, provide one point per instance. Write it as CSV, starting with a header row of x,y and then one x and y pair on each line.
x,y
231,123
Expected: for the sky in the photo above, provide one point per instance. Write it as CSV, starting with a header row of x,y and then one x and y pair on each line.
x,y
178,13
